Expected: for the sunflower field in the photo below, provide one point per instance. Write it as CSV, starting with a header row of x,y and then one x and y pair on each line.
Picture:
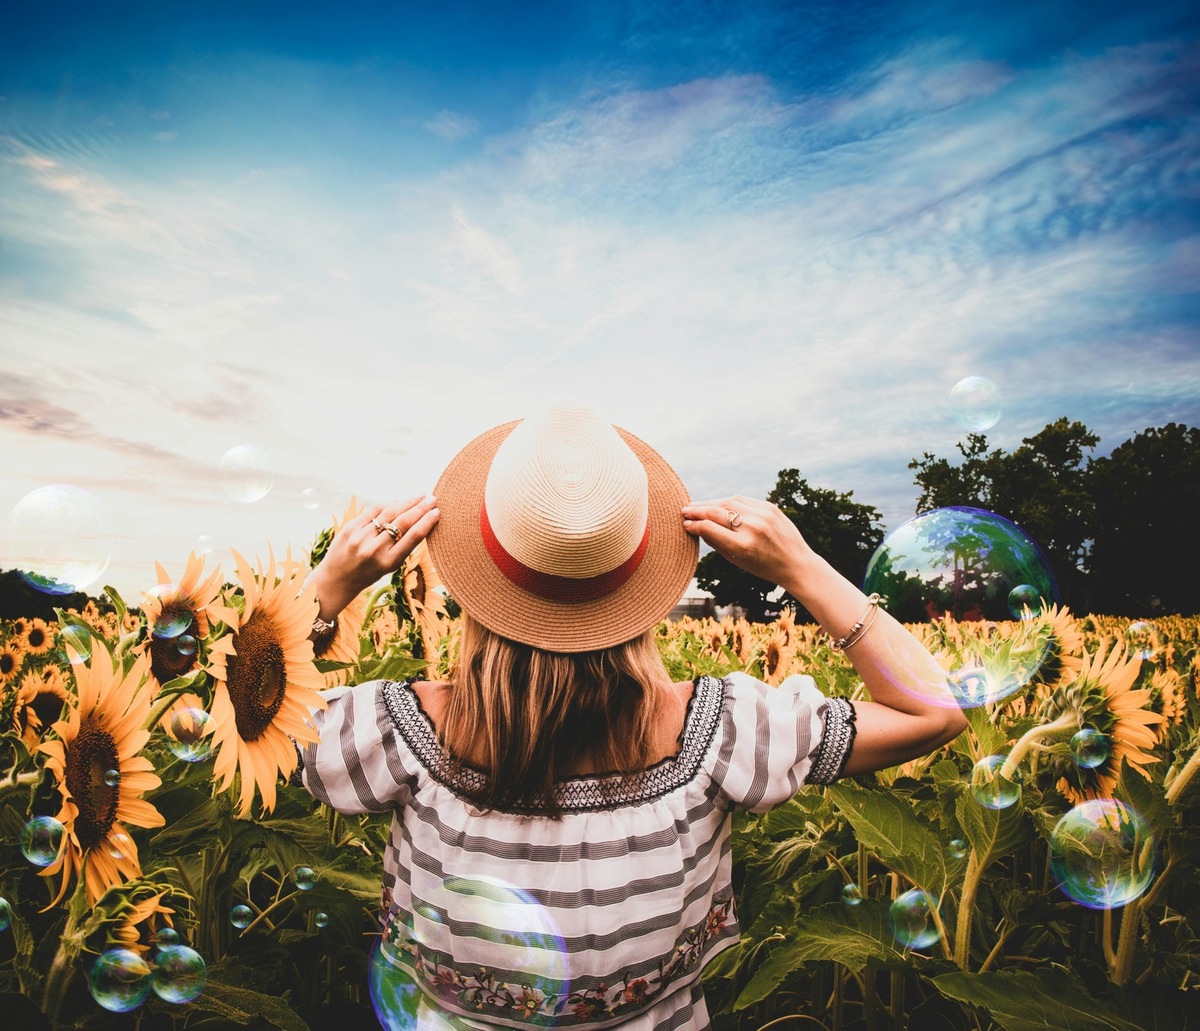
x,y
158,870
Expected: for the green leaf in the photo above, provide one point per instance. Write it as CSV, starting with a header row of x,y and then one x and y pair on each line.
x,y
992,832
244,1007
850,936
990,737
1021,1000
887,825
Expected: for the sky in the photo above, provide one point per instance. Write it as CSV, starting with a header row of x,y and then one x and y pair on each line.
x,y
345,239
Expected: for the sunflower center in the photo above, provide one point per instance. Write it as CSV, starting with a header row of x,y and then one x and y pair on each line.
x,y
37,637
168,660
89,758
7,663
257,677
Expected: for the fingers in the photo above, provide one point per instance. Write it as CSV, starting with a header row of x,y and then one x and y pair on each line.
x,y
406,523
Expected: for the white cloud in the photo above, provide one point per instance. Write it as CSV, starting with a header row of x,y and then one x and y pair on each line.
x,y
451,126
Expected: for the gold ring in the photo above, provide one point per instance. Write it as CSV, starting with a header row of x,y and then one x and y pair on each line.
x,y
394,531
379,527
735,518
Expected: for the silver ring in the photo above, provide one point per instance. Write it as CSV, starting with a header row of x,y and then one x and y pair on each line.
x,y
379,527
735,518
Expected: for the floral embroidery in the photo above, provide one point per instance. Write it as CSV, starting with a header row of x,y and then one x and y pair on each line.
x,y
480,990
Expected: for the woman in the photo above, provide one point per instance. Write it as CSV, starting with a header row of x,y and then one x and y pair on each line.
x,y
559,851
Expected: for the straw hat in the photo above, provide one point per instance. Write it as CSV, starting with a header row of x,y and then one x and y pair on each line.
x,y
562,531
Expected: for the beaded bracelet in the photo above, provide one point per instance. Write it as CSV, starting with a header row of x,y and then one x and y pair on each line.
x,y
857,632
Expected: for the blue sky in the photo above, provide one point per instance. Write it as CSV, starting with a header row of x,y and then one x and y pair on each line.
x,y
758,235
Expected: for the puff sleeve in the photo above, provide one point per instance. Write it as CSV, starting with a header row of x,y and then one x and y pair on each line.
x,y
773,740
360,764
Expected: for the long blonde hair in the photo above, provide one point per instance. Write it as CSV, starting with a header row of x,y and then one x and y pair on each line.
x,y
527,717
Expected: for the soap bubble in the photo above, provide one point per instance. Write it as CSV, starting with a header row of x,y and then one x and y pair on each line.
x,y
60,539
112,778
990,789
41,840
959,561
120,980
518,931
1102,854
166,936
977,685
310,498
957,849
120,845
912,919
1089,747
851,895
186,645
305,877
5,914
1024,602
245,474
1142,638
205,544
179,973
241,917
173,618
188,737
76,644
321,919
976,403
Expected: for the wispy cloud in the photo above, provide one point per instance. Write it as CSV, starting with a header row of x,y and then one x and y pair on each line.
x,y
451,126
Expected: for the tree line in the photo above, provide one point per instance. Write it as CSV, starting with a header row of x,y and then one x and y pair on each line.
x,y
1120,532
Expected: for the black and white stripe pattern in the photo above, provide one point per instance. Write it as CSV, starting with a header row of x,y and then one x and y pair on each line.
x,y
604,916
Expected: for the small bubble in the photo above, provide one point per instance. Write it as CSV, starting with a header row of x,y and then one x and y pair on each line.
x,y
205,544
76,644
976,403
60,539
5,914
310,498
245,475
957,849
188,737
120,980
186,645
1024,602
305,877
166,936
1142,638
912,919
41,840
851,894
989,788
1089,747
321,919
173,617
241,917
180,973
1102,854
120,845
112,778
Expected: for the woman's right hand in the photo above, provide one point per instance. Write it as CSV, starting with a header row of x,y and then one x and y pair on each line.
x,y
361,553
765,542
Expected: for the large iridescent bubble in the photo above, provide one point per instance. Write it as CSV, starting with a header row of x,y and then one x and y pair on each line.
x,y
514,932
60,538
976,403
1102,854
959,561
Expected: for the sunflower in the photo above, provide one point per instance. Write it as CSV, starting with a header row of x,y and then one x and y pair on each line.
x,y
38,637
1059,643
266,683
12,657
426,604
1102,697
384,628
128,934
185,610
777,656
342,646
102,735
40,700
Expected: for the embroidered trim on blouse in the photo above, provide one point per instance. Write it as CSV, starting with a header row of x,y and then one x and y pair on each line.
x,y
473,989
835,742
576,794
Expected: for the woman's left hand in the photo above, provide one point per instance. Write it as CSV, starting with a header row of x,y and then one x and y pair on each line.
x,y
365,549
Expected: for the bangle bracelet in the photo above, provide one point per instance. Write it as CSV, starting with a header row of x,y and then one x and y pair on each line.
x,y
858,631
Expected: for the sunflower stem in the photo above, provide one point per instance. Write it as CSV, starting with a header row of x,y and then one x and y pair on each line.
x,y
162,703
966,908
271,908
1066,724
1183,777
18,781
374,600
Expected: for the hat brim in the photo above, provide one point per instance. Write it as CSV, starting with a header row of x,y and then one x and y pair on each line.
x,y
461,559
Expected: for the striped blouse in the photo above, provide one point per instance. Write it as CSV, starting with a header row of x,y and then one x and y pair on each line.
x,y
603,917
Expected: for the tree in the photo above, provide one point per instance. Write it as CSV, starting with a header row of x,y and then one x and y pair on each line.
x,y
839,529
1043,487
1144,557
18,599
